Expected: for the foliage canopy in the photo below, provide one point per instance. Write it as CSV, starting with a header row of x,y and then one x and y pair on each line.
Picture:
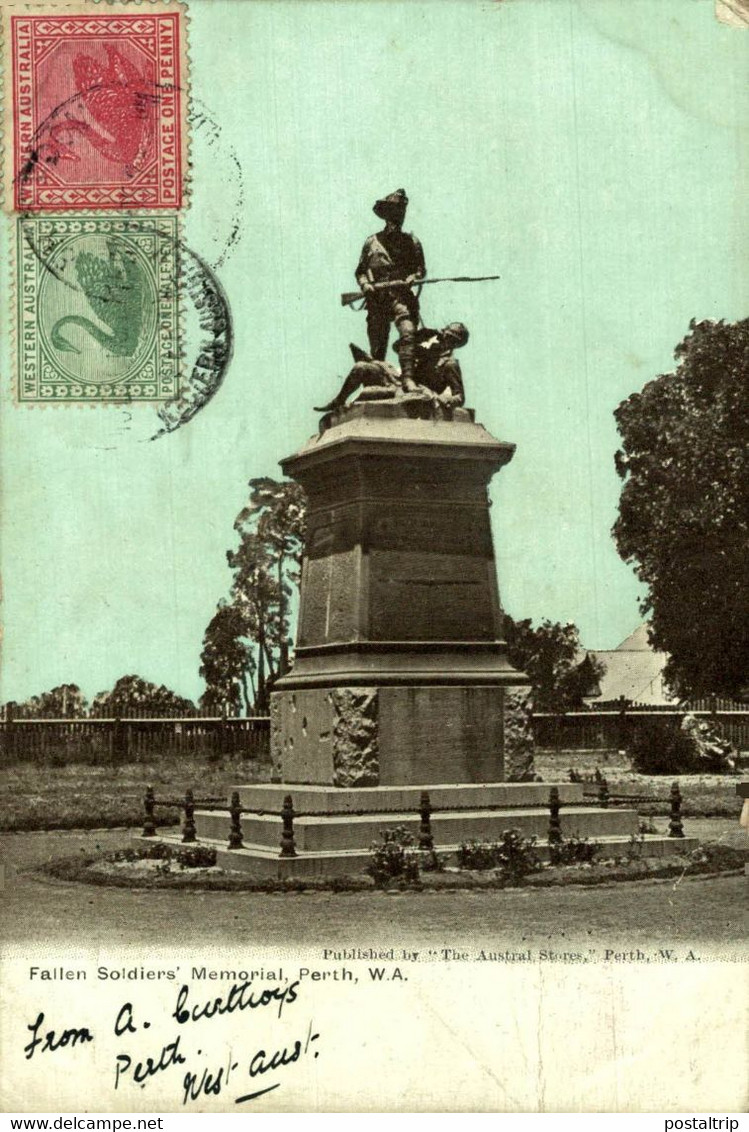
x,y
249,634
133,697
684,508
551,656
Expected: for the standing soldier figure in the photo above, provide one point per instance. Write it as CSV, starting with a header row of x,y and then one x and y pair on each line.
x,y
397,255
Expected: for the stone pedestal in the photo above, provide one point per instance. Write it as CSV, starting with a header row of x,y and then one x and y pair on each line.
x,y
400,675
401,701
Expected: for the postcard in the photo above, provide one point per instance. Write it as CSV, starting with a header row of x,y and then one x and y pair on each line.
x,y
336,724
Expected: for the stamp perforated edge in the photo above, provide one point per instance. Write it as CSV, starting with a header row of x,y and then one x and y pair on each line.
x,y
11,266
10,8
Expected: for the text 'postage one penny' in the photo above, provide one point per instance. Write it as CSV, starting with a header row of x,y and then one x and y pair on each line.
x,y
97,308
98,108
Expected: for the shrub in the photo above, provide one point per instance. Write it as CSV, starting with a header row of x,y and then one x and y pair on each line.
x,y
514,855
195,857
394,859
477,855
186,856
659,746
712,855
430,861
574,851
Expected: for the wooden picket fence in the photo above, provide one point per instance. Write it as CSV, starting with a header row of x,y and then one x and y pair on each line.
x,y
62,741
610,729
88,740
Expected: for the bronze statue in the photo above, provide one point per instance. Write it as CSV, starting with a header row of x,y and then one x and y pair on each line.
x,y
391,255
435,373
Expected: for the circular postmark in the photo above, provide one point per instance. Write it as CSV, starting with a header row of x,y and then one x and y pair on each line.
x,y
211,336
214,161
113,305
119,310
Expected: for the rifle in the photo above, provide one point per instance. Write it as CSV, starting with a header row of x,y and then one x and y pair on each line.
x,y
351,296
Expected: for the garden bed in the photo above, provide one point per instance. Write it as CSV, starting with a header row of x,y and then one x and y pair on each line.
x,y
130,869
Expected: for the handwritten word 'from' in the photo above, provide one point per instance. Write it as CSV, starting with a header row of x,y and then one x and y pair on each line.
x,y
50,1042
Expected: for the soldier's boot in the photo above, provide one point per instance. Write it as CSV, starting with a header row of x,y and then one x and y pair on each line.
x,y
350,385
406,353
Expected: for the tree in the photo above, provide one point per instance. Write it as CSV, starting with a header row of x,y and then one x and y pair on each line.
x,y
66,701
226,661
135,698
266,565
276,514
551,657
684,508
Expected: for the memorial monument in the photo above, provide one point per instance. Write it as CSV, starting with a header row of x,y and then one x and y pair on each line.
x,y
400,681
400,675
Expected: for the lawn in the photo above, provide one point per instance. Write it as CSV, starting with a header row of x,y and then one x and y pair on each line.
x,y
704,795
96,797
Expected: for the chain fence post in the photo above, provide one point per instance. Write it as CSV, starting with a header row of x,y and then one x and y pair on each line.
x,y
426,839
555,826
288,846
189,832
675,825
235,812
149,803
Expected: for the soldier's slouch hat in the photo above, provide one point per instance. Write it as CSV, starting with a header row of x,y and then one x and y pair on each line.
x,y
391,206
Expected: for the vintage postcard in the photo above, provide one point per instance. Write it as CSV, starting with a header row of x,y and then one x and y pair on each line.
x,y
374,715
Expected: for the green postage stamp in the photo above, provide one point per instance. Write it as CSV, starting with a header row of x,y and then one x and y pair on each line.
x,y
97,308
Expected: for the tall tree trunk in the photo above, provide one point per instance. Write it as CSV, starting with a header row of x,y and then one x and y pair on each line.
x,y
281,598
272,673
260,699
248,702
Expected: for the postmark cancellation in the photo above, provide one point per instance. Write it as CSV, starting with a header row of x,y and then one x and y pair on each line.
x,y
97,308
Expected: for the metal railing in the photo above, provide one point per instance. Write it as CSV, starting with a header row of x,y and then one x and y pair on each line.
x,y
426,841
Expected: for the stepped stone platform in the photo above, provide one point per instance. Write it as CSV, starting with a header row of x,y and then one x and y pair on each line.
x,y
401,683
334,829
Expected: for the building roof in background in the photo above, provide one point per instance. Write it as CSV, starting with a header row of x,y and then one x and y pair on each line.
x,y
638,641
634,670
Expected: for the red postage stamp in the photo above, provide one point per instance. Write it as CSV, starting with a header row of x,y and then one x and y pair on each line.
x,y
98,106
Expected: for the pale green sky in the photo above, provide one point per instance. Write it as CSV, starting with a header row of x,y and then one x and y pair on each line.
x,y
594,152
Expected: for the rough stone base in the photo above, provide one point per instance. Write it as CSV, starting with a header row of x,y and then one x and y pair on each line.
x,y
401,735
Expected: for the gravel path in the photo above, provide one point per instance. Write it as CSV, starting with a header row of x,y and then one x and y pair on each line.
x,y
709,913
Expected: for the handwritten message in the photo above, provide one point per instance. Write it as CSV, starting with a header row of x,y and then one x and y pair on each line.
x,y
192,1020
